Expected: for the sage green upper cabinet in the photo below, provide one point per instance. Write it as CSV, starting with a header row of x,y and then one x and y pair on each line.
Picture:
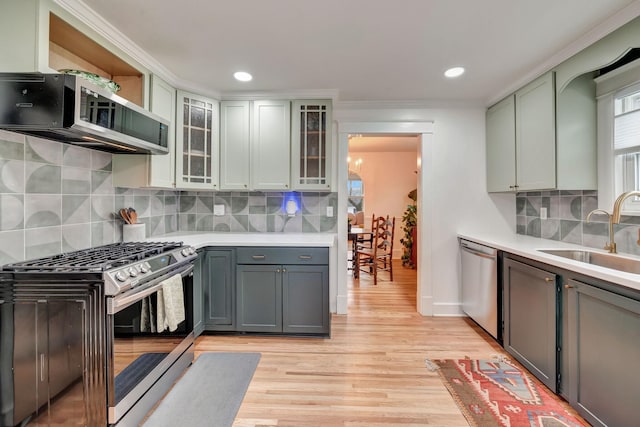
x,y
235,145
145,170
40,36
501,146
270,145
536,135
197,142
542,139
311,145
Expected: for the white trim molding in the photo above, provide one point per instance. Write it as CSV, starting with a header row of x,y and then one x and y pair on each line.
x,y
425,130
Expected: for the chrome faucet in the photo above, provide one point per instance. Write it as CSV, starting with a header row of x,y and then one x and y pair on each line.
x,y
614,218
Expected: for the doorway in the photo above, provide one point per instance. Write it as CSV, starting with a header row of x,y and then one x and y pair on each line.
x,y
423,131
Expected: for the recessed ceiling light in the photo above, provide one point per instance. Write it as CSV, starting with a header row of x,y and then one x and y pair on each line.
x,y
454,72
242,76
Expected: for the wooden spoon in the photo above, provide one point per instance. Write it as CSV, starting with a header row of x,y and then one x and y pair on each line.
x,y
125,215
133,216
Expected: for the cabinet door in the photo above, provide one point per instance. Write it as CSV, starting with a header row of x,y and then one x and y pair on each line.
x,y
501,146
530,319
311,145
604,349
197,142
305,299
270,145
536,135
156,171
234,145
219,287
259,298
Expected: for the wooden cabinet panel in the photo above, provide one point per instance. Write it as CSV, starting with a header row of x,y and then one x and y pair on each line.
x,y
219,289
234,145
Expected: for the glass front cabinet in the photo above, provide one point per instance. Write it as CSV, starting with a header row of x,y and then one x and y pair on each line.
x,y
311,144
197,142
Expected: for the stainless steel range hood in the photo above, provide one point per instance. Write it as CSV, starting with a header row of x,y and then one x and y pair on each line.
x,y
67,108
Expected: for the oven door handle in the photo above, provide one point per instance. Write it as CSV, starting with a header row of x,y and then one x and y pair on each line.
x,y
119,302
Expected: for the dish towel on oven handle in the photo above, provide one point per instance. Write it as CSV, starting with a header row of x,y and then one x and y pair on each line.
x,y
170,310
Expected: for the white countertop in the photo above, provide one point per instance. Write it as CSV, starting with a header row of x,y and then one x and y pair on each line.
x,y
529,247
201,239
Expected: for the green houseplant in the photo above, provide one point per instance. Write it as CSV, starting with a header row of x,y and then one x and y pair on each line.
x,y
409,221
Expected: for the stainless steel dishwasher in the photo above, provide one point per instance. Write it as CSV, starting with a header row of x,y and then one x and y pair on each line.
x,y
479,279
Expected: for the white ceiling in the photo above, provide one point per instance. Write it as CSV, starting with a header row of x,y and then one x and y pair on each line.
x,y
364,50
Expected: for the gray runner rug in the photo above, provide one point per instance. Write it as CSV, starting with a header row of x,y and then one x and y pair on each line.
x,y
209,394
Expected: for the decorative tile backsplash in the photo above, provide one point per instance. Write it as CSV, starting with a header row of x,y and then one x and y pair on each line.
x,y
57,197
566,220
257,212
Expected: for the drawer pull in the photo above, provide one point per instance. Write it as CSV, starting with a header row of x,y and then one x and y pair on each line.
x,y
305,256
258,256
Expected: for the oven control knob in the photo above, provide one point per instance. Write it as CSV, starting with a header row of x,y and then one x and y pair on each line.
x,y
185,252
132,272
120,276
192,250
142,268
146,265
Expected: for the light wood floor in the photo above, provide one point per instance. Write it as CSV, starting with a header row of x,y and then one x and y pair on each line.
x,y
371,372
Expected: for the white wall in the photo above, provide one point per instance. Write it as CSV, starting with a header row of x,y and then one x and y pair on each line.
x,y
454,184
388,178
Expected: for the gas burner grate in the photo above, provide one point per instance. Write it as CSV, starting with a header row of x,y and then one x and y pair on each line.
x,y
100,258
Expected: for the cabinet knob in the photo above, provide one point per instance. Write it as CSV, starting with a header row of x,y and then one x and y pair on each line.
x,y
277,270
548,279
569,286
284,270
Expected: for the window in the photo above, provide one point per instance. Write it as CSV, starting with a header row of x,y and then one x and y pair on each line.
x,y
355,189
626,144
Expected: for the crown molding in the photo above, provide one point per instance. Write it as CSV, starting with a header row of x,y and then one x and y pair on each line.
x,y
622,17
407,105
289,94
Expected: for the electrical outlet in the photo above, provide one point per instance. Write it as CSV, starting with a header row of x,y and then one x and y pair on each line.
x,y
218,210
329,211
543,213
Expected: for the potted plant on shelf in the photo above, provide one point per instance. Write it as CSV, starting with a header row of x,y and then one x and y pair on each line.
x,y
409,221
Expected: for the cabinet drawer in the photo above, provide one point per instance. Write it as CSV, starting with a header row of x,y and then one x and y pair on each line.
x,y
273,255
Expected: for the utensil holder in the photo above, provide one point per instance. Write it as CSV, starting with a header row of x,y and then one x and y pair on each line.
x,y
133,232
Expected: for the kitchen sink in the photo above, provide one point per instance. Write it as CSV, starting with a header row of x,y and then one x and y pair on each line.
x,y
615,262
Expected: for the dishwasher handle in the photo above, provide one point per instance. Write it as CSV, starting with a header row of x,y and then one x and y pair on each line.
x,y
479,250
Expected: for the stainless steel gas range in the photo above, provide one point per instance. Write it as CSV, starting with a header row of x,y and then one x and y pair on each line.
x,y
95,336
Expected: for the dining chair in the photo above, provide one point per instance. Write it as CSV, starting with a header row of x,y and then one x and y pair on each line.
x,y
378,257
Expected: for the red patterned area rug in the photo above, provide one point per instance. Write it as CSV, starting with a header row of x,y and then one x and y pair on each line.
x,y
497,393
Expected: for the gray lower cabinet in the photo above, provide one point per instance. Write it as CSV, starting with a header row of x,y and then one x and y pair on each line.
x,y
603,339
259,298
219,289
530,310
283,290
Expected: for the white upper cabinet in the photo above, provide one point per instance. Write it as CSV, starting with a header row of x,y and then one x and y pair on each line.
x,y
235,145
536,135
501,146
197,142
157,171
311,145
270,145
